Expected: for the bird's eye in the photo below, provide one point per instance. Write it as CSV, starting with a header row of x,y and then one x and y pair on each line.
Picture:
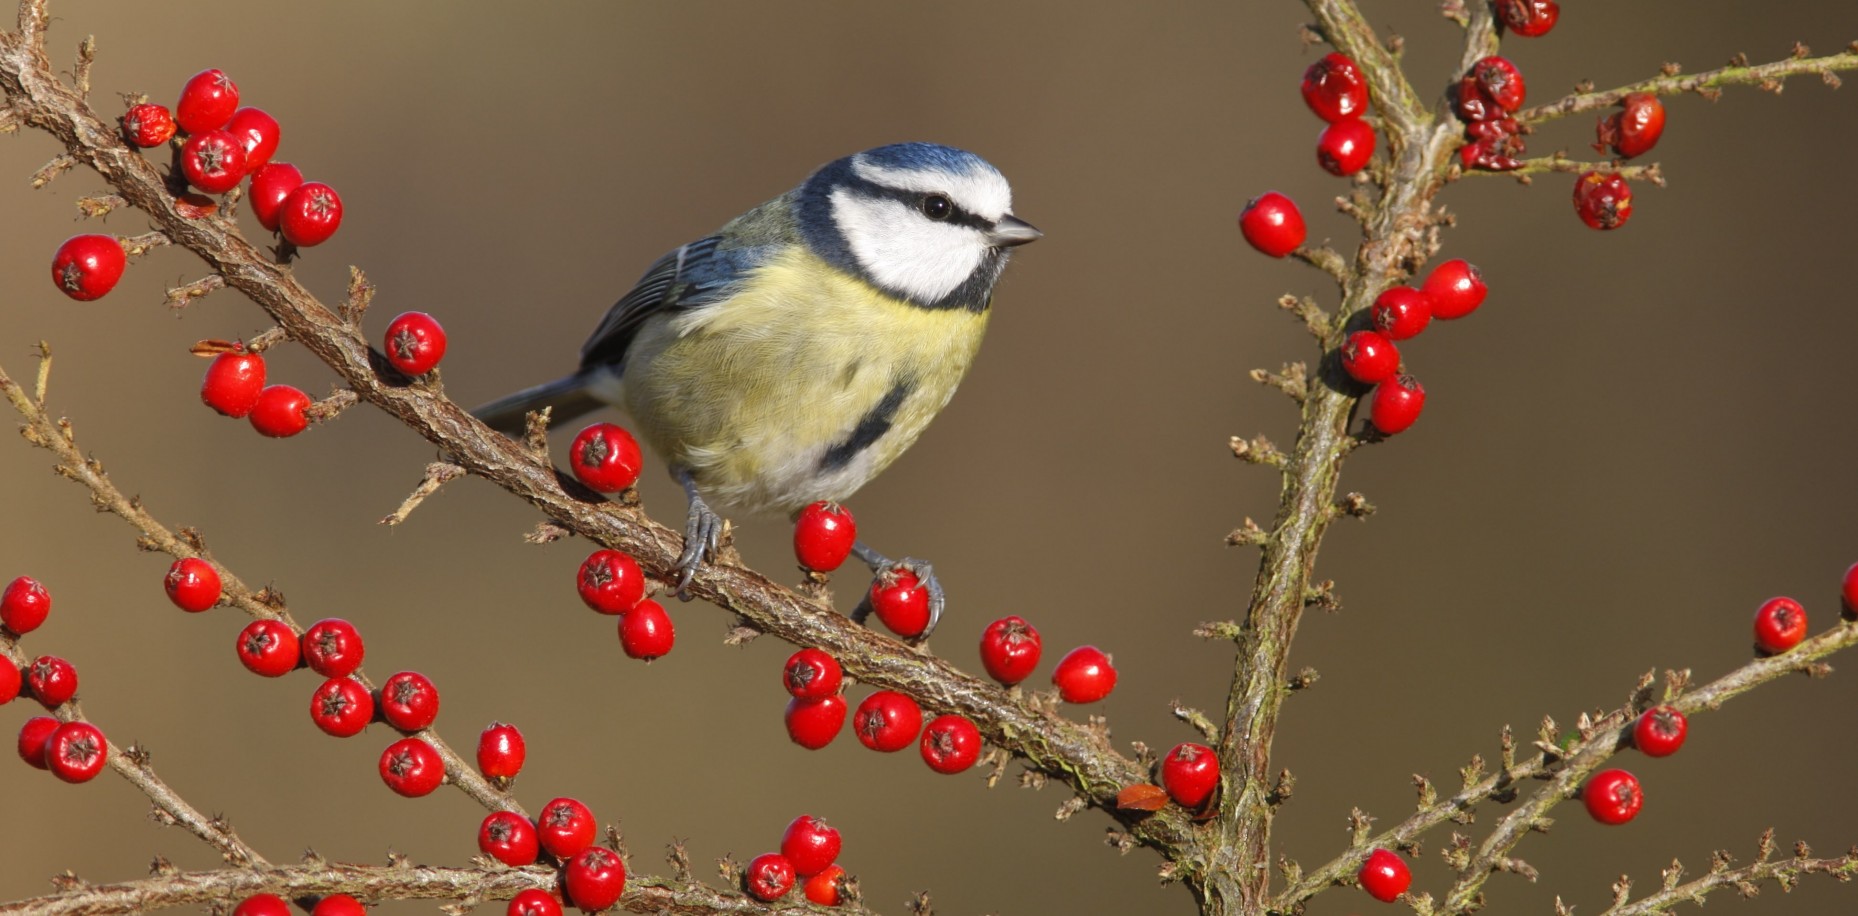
x,y
937,207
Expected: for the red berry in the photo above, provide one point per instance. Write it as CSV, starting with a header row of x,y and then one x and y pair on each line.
x,y
887,721
565,827
1635,129
610,582
339,905
811,673
1401,312
192,584
1660,731
333,648
1010,649
148,125
341,707
1529,18
951,744
268,648
1613,796
257,132
1602,199
86,267
810,845
500,751
415,343
1780,624
534,902
310,214
813,724
1848,593
76,752
262,905
233,382
646,632
901,602
10,680
823,536
1397,403
1384,876
1370,358
1344,148
207,102
1272,224
279,412
52,680
213,161
271,185
1493,88
1190,773
594,879
412,768
1335,89
770,876
24,605
1456,289
409,701
1084,675
823,888
32,738
605,458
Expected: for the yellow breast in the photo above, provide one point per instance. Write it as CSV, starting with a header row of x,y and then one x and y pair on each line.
x,y
799,387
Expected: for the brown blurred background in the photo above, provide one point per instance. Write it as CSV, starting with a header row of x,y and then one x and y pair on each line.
x,y
1641,436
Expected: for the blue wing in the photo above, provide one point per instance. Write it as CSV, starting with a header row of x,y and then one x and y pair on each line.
x,y
696,274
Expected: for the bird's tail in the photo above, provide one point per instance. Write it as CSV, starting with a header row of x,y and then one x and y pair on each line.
x,y
569,396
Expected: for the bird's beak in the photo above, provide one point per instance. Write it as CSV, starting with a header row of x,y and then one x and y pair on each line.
x,y
1011,230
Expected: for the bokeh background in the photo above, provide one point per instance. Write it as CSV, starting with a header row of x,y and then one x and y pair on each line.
x,y
1640,436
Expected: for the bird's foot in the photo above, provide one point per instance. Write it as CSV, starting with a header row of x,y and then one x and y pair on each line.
x,y
702,533
882,566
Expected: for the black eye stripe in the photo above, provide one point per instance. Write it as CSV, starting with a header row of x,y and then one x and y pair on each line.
x,y
864,187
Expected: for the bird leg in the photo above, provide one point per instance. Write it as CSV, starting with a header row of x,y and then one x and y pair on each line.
x,y
925,576
702,530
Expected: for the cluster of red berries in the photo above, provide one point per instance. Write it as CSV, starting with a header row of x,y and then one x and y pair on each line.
x,y
1487,98
1452,290
234,384
72,751
611,582
273,905
225,144
810,851
593,877
1336,91
885,721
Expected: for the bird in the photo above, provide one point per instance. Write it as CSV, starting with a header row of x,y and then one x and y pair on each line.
x,y
795,353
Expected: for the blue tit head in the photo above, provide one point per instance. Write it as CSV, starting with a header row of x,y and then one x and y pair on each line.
x,y
926,223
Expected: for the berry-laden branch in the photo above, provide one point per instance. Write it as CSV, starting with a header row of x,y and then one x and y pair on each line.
x,y
1077,754
645,894
1708,84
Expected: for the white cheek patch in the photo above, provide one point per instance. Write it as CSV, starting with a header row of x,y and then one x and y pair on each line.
x,y
902,250
982,192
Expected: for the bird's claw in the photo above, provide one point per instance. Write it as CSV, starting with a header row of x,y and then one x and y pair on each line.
x,y
925,577
702,533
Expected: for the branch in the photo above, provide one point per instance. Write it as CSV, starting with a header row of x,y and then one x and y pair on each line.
x,y
1048,742
132,763
1707,84
1342,25
368,882
1652,172
1746,880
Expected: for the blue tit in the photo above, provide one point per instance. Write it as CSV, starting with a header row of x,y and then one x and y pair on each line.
x,y
795,353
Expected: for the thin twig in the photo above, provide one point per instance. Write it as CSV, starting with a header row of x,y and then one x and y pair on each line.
x,y
1651,172
438,474
1705,83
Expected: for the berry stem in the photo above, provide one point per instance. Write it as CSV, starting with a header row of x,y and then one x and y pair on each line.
x,y
1708,84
